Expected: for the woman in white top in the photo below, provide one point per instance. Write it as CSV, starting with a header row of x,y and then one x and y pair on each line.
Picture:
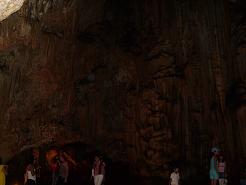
x,y
174,177
30,175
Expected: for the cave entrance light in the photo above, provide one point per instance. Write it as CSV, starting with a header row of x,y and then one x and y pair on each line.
x,y
8,7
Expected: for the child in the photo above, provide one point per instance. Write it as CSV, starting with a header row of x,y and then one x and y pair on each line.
x,y
221,170
174,177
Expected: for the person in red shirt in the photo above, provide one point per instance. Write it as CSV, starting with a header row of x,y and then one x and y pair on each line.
x,y
52,157
98,170
54,169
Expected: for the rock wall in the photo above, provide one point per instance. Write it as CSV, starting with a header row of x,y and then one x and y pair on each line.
x,y
153,83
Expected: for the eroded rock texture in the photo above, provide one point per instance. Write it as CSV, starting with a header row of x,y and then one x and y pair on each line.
x,y
148,82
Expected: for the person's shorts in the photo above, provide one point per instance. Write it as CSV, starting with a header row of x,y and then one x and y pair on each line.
x,y
213,175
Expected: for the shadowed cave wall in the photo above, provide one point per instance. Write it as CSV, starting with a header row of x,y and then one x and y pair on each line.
x,y
148,82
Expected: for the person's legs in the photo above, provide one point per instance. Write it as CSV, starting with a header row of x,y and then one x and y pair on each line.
x,y
53,178
60,181
214,177
211,175
100,179
96,180
220,182
214,182
31,182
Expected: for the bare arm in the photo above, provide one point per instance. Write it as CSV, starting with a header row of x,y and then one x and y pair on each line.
x,y
31,168
67,171
225,170
5,169
69,158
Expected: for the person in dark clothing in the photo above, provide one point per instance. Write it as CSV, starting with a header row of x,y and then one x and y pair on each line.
x,y
63,170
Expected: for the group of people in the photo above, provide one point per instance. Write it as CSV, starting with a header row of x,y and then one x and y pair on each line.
x,y
59,163
217,170
59,167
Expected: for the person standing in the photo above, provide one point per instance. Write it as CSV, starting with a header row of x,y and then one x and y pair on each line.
x,y
3,173
213,172
30,174
63,171
55,170
36,164
51,157
174,177
98,170
221,170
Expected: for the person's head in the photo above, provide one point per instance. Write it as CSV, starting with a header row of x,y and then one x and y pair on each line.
x,y
62,158
35,152
30,160
221,158
101,158
214,154
97,158
215,151
176,170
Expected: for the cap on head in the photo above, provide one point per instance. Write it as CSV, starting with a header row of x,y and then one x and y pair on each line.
x,y
215,150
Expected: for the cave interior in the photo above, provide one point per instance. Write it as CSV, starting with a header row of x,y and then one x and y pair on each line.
x,y
149,85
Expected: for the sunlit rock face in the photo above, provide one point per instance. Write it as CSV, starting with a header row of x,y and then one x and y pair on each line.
x,y
7,7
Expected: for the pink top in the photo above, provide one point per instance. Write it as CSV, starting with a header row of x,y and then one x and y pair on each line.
x,y
221,167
